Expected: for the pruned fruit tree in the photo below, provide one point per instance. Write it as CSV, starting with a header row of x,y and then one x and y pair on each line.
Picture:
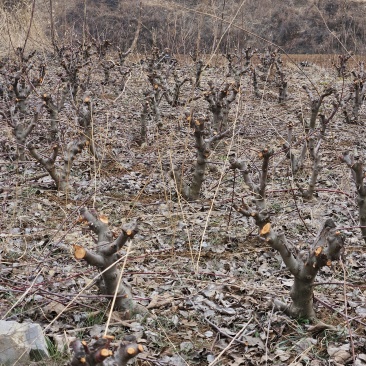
x,y
180,209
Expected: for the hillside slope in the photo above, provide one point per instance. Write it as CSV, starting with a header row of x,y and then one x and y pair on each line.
x,y
299,26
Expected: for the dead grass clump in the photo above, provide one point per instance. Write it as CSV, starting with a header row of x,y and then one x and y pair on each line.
x,y
14,27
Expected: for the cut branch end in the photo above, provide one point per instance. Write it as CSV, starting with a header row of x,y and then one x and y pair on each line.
x,y
131,351
266,229
79,252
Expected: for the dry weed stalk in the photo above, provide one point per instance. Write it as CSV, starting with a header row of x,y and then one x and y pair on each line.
x,y
22,25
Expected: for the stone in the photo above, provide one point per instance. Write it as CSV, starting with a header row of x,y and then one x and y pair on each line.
x,y
21,343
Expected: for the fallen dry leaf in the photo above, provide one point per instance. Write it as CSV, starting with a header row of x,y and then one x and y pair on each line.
x,y
159,301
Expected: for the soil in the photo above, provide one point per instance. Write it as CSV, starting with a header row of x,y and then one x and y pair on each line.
x,y
198,267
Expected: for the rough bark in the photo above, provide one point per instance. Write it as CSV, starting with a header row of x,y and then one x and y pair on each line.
x,y
20,85
156,93
255,82
341,65
160,66
315,104
200,66
73,59
20,130
203,146
61,174
304,266
219,100
144,120
105,257
85,121
259,190
359,177
172,93
53,109
154,101
230,60
99,354
311,142
265,70
239,63
282,81
297,161
159,80
352,103
248,54
107,66
122,56
308,193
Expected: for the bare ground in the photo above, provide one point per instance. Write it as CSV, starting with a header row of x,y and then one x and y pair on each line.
x,y
199,267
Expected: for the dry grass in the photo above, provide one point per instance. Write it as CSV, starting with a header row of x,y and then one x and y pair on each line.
x,y
14,25
324,60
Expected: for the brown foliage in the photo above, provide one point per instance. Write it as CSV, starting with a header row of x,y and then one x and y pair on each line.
x,y
298,26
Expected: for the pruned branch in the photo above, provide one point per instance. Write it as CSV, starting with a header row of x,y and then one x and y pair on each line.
x,y
315,104
219,100
341,66
305,265
105,259
61,174
352,102
312,141
53,109
98,353
85,120
203,147
282,80
358,175
258,190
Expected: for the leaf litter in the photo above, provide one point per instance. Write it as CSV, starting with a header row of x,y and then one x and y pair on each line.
x,y
201,290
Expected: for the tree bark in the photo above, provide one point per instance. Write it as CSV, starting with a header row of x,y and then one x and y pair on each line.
x,y
105,259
